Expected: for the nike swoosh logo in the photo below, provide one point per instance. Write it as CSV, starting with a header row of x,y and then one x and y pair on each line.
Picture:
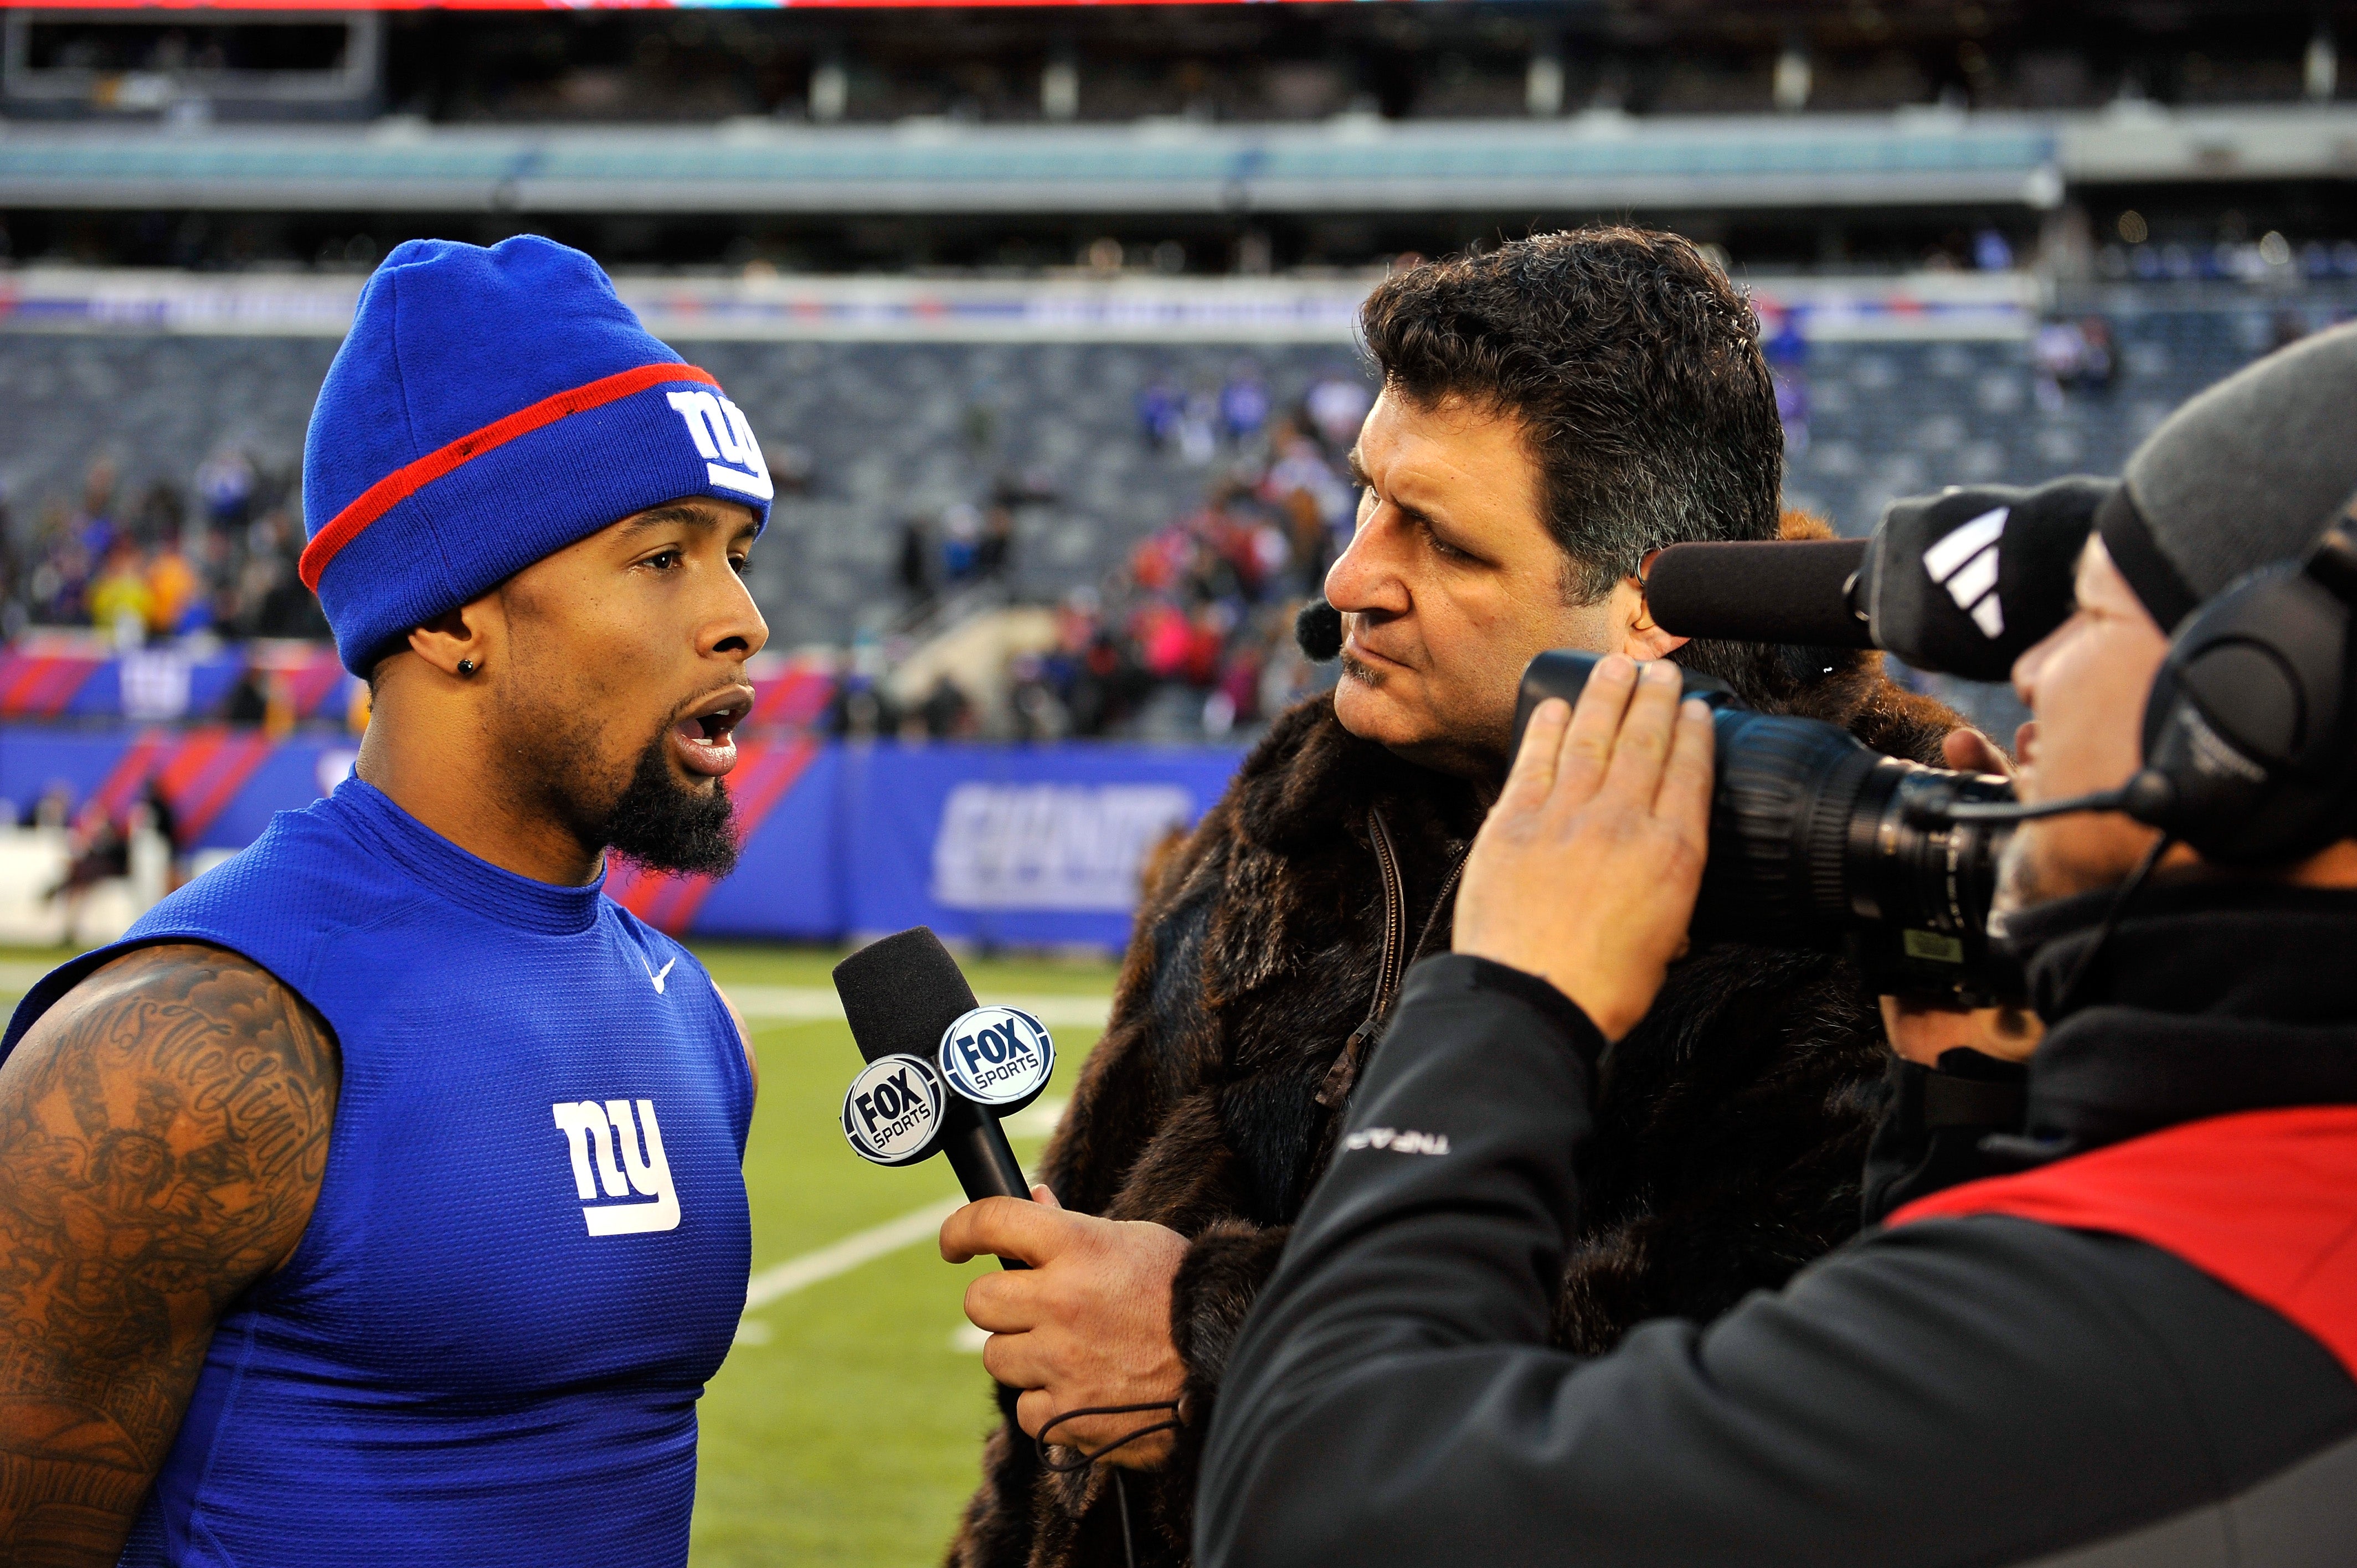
x,y
656,975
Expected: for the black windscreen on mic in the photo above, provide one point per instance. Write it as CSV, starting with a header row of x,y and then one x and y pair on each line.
x,y
1317,631
1777,590
902,994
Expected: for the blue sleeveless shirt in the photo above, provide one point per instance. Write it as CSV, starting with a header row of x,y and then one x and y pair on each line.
x,y
531,1243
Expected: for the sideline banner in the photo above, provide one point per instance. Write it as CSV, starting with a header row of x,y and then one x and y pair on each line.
x,y
1021,846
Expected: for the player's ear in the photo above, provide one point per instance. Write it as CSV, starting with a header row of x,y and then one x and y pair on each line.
x,y
457,642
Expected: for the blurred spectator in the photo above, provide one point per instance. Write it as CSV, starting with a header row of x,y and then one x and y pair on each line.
x,y
915,567
95,525
121,602
177,604
1199,428
1337,406
1793,408
96,849
1243,402
225,482
792,467
159,813
248,702
1158,413
946,713
2072,355
994,554
962,543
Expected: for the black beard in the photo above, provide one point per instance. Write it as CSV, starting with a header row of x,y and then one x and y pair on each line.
x,y
665,827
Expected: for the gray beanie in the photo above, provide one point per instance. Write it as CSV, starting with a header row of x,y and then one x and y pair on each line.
x,y
2251,471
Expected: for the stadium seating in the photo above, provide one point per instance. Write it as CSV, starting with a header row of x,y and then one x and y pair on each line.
x,y
896,430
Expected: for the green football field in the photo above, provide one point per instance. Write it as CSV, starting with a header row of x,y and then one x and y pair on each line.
x,y
845,1426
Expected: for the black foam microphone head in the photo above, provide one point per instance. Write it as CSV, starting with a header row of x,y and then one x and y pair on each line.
x,y
901,993
1772,590
1318,630
1965,581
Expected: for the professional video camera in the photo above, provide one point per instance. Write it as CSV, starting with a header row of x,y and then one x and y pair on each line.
x,y
1816,841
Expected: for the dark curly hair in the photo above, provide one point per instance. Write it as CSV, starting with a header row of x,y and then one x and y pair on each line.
x,y
1635,367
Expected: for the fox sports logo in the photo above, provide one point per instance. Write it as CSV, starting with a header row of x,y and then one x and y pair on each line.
x,y
998,1056
892,1111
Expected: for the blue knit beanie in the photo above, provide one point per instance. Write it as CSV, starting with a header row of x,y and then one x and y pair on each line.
x,y
490,407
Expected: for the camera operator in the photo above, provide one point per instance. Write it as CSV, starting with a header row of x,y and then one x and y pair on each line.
x,y
2136,1348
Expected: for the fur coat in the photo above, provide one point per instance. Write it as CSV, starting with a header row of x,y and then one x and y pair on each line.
x,y
1731,1134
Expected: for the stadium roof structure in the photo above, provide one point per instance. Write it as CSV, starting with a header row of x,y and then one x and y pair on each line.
x,y
1608,160
1351,164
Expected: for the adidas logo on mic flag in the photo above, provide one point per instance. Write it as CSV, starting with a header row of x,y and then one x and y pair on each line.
x,y
1965,564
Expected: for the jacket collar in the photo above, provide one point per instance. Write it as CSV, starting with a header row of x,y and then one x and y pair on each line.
x,y
2210,997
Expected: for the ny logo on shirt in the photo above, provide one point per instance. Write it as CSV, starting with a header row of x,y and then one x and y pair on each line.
x,y
589,1126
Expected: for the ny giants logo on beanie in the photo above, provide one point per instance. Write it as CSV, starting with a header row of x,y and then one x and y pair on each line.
x,y
491,407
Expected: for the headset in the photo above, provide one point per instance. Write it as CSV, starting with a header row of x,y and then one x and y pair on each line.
x,y
2249,752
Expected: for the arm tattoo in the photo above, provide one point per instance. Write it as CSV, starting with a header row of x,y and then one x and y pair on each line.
x,y
163,1130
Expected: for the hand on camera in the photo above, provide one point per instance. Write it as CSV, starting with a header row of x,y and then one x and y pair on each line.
x,y
1586,872
1088,1324
1970,751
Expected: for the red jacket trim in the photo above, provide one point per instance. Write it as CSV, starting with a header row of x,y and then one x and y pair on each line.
x,y
2262,1201
408,479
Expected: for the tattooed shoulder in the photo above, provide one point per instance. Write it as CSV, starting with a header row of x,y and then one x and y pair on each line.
x,y
163,1131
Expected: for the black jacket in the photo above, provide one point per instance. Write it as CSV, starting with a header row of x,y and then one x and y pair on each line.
x,y
1946,1392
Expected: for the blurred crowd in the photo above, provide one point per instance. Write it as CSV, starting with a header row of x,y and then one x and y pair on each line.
x,y
163,562
1193,636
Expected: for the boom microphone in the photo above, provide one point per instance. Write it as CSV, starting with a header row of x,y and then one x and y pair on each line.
x,y
1962,582
1966,581
901,995
1787,590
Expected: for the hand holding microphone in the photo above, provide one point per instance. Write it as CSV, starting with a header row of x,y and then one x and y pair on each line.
x,y
1083,1324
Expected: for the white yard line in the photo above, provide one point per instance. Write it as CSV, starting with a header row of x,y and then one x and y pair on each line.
x,y
861,1247
784,1279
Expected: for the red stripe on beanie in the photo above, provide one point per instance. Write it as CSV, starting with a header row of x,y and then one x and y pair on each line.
x,y
411,477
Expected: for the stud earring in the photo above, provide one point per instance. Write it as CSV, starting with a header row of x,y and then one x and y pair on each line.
x,y
466,667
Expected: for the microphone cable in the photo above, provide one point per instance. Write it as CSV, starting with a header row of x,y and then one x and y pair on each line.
x,y
1082,1459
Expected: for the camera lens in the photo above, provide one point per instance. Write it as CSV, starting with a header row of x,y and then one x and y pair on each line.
x,y
1818,842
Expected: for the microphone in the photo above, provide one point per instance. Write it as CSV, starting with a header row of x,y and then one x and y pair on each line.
x,y
901,995
1962,583
1795,590
1966,581
1318,630
2148,798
